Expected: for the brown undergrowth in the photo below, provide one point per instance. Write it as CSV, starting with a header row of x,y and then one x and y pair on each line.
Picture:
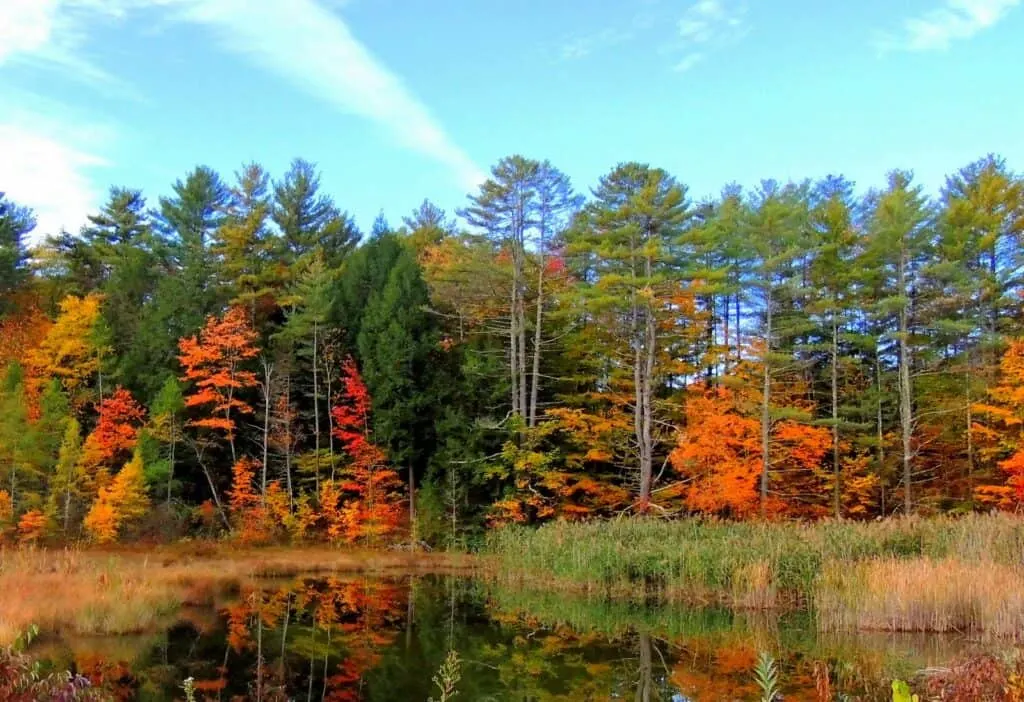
x,y
132,590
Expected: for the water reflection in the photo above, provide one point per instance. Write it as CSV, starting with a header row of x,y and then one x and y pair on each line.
x,y
381,640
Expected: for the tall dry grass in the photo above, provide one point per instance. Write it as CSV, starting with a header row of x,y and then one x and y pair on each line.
x,y
949,595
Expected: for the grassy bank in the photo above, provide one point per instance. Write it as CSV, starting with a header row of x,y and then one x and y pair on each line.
x,y
962,575
130,591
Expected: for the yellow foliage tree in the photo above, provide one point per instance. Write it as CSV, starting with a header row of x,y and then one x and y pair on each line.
x,y
70,351
120,504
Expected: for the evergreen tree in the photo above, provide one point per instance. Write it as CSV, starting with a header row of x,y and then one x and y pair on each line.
x,y
15,223
896,246
244,244
396,343
627,239
309,220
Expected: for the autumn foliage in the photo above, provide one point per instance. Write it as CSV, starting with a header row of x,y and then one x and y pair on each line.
x,y
366,503
69,351
120,504
1004,433
110,444
213,364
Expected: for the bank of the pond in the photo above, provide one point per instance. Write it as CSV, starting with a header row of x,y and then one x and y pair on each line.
x,y
937,575
135,589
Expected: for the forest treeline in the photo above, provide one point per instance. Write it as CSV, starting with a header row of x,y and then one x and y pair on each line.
x,y
237,355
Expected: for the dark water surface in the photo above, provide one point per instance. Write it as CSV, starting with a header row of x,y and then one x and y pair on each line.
x,y
359,638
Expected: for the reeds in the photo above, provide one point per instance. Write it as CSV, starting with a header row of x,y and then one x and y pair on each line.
x,y
943,574
922,595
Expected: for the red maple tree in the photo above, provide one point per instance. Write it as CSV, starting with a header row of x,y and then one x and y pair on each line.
x,y
366,503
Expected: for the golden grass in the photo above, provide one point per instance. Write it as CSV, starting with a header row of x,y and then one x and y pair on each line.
x,y
928,595
134,590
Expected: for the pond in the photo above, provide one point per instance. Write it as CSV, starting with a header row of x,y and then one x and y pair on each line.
x,y
383,639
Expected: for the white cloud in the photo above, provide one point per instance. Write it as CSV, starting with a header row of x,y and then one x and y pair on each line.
x,y
705,27
45,172
708,21
940,27
689,61
50,33
298,39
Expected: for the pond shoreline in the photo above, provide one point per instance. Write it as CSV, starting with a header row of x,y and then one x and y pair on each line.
x,y
125,590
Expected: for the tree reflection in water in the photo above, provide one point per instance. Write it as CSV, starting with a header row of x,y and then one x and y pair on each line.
x,y
343,639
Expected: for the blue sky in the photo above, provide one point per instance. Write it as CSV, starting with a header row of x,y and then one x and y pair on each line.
x,y
397,100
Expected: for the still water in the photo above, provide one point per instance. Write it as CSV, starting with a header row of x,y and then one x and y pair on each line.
x,y
383,639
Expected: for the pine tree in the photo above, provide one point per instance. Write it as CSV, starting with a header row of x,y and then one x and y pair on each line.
x,y
309,220
897,237
15,224
245,245
625,249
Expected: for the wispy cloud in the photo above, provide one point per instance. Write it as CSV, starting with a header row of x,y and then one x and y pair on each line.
x,y
301,40
954,20
50,33
315,49
708,25
585,44
687,62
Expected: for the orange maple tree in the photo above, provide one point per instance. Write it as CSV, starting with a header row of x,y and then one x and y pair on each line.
x,y
719,452
32,526
366,503
20,333
213,364
719,456
1006,412
249,512
111,442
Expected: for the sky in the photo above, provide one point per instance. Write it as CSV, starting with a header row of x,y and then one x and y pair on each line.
x,y
401,100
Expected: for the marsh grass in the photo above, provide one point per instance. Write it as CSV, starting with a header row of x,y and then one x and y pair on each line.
x,y
979,599
133,591
945,574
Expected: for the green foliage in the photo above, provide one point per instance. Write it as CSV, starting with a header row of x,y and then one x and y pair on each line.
x,y
447,677
15,223
766,675
901,692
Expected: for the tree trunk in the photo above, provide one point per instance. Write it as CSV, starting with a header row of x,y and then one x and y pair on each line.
x,y
413,536
268,371
316,408
880,430
838,497
766,418
213,488
906,421
330,421
170,467
513,360
970,438
645,679
288,441
537,338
